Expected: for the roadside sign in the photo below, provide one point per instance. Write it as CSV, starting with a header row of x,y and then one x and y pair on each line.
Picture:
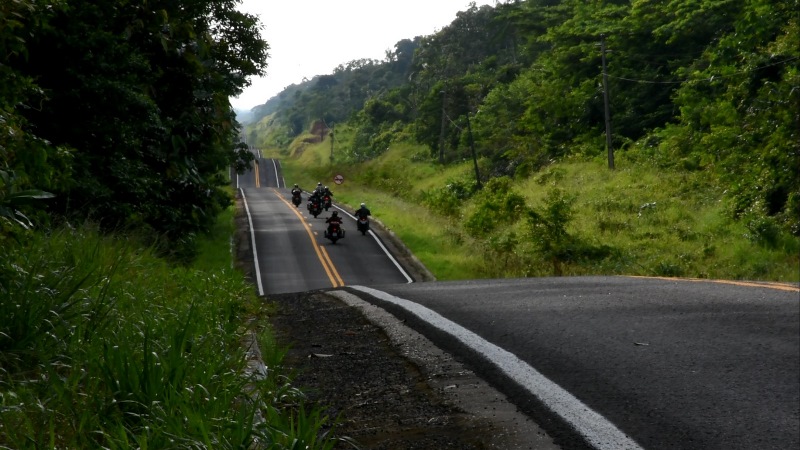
x,y
338,179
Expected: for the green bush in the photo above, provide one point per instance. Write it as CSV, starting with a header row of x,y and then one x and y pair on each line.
x,y
450,199
497,204
548,229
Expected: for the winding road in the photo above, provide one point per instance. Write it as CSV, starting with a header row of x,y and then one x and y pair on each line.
x,y
605,362
291,253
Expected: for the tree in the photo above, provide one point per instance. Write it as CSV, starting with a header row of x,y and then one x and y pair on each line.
x,y
740,113
140,91
28,164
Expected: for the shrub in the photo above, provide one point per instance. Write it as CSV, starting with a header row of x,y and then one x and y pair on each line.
x,y
548,228
497,204
449,200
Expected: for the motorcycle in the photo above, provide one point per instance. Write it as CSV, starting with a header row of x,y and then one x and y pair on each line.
x,y
314,207
363,224
326,202
334,232
296,198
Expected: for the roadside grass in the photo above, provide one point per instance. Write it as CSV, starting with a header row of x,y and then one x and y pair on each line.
x,y
663,223
635,220
104,345
215,249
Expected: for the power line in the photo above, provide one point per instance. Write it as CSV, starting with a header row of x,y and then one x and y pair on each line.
x,y
708,79
452,122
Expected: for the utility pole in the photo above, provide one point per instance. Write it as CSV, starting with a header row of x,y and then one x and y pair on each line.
x,y
474,157
441,130
333,127
605,101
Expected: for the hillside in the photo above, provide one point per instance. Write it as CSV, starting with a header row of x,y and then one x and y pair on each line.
x,y
560,137
576,217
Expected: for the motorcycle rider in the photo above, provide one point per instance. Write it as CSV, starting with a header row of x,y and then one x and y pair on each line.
x,y
333,219
327,198
319,190
315,197
296,191
363,212
362,219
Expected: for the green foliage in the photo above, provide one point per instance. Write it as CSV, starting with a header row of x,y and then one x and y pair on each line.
x,y
637,220
495,205
140,92
29,165
702,93
300,430
698,85
450,199
11,200
127,351
739,112
548,228
502,256
334,98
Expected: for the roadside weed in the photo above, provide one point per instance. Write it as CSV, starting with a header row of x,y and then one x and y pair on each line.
x,y
105,345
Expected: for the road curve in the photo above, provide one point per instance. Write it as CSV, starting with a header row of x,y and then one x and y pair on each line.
x,y
290,252
600,362
671,364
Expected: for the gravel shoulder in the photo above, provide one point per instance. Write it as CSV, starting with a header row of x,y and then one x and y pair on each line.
x,y
389,386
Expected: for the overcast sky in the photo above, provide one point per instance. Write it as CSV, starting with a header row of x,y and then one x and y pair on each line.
x,y
312,37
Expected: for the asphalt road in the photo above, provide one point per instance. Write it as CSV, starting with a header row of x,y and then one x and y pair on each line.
x,y
603,362
293,255
668,364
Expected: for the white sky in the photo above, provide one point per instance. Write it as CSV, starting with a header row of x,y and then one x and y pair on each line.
x,y
312,37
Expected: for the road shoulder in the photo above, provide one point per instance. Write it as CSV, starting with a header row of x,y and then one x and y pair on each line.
x,y
390,386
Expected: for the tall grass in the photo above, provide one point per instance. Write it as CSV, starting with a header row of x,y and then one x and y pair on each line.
x,y
103,345
636,220
215,249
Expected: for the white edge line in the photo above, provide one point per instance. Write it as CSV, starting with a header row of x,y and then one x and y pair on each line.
x,y
282,178
385,250
277,180
596,429
253,243
399,267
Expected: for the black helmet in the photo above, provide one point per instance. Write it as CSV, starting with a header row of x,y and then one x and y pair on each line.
x,y
335,213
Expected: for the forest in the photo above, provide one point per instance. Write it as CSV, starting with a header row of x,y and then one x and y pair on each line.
x,y
117,113
700,86
123,322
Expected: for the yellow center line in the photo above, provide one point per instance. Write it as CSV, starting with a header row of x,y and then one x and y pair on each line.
x,y
258,175
322,254
766,284
335,273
